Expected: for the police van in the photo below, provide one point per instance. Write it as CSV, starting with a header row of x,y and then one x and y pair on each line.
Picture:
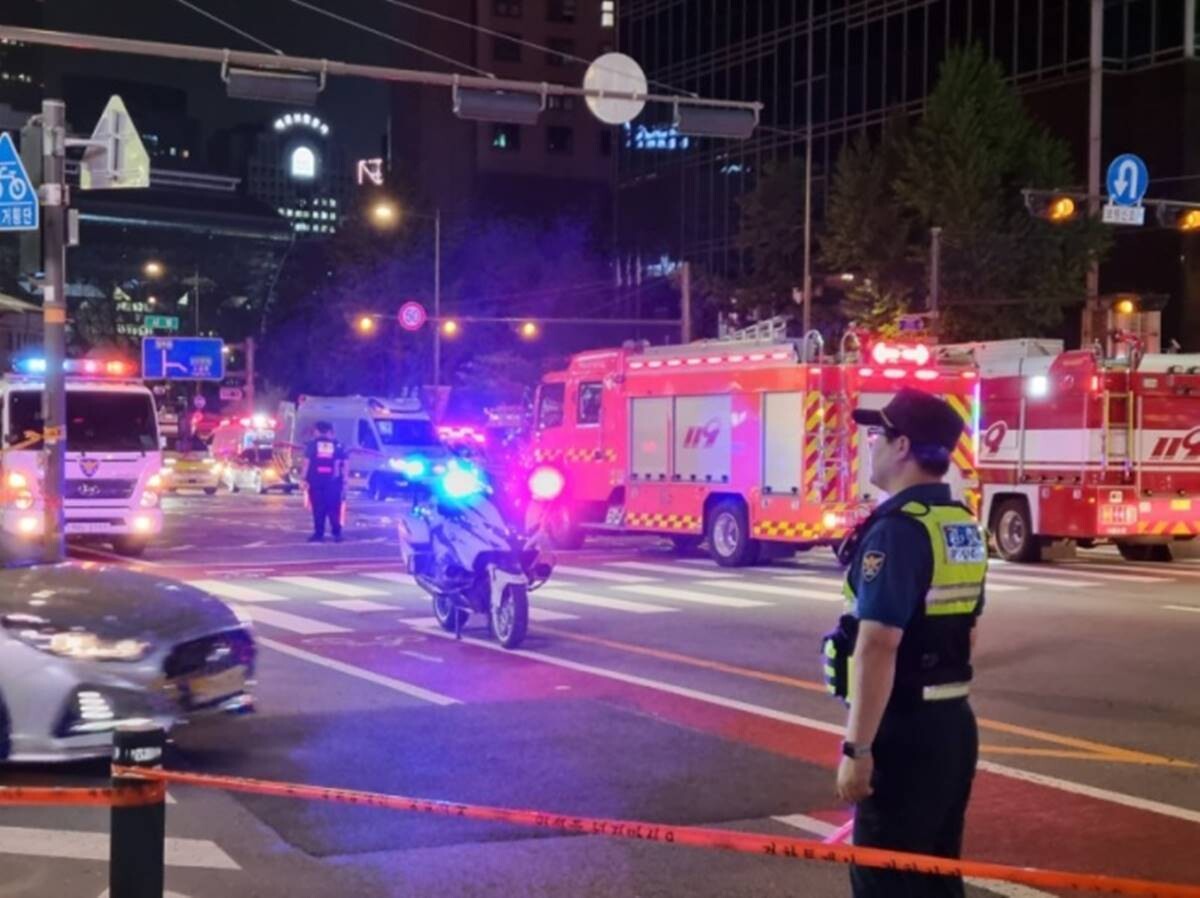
x,y
113,456
390,442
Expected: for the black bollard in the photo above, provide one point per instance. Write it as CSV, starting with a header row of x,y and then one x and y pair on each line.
x,y
137,842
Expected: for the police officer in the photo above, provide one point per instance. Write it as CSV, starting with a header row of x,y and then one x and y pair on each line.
x,y
901,656
325,461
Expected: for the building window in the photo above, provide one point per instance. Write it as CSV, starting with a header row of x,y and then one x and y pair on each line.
x,y
606,142
608,13
304,163
561,49
561,11
559,140
507,9
506,50
560,103
506,138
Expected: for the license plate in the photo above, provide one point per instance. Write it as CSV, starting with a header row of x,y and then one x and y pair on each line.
x,y
88,528
208,688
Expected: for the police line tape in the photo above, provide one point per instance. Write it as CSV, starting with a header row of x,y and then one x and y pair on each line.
x,y
131,796
692,836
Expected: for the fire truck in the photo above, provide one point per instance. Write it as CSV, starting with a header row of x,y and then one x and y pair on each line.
x,y
748,444
1086,446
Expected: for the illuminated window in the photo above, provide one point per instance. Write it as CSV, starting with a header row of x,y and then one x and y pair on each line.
x,y
608,13
506,138
304,163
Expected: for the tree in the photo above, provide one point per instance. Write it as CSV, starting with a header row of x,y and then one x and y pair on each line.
x,y
771,233
1003,273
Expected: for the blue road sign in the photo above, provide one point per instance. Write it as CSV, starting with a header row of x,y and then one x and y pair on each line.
x,y
1128,179
183,358
18,199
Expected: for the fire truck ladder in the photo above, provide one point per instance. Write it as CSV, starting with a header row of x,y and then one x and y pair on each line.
x,y
1117,440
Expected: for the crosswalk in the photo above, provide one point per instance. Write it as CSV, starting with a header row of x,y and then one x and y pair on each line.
x,y
313,604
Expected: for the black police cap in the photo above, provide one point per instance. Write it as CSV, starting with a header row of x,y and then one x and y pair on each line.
x,y
925,419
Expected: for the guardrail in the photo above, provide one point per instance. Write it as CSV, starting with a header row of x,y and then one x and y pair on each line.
x,y
137,797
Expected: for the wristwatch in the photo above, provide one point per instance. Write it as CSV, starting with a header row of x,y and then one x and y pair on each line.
x,y
856,751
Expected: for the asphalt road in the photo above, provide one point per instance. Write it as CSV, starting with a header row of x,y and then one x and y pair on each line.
x,y
652,688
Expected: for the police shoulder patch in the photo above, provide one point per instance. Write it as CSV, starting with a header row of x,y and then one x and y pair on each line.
x,y
872,564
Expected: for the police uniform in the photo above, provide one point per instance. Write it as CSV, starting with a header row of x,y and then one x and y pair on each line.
x,y
918,564
325,456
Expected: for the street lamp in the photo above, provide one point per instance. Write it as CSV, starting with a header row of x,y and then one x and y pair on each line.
x,y
365,325
449,328
385,214
528,330
153,269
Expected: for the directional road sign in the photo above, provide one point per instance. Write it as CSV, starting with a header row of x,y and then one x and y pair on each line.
x,y
1127,180
183,358
18,199
162,322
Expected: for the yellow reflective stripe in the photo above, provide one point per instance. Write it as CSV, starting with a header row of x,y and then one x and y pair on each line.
x,y
830,671
830,649
945,691
945,609
953,591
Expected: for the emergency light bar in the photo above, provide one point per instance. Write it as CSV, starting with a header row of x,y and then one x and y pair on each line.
x,y
891,353
86,367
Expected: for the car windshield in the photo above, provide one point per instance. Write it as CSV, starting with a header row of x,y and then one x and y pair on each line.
x,y
406,431
97,421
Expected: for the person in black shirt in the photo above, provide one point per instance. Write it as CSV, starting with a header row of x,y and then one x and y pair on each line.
x,y
324,474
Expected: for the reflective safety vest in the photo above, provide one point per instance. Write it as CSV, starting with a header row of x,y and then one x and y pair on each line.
x,y
934,658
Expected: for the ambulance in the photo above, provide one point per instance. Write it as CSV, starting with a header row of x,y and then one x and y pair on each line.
x,y
1082,446
746,444
113,455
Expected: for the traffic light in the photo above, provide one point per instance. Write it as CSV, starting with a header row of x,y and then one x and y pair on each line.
x,y
1189,220
450,328
365,324
529,330
1125,305
1054,207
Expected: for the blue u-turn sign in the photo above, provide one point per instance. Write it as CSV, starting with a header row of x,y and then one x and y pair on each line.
x,y
1127,180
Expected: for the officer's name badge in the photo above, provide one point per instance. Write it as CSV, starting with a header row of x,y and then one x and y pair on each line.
x,y
872,564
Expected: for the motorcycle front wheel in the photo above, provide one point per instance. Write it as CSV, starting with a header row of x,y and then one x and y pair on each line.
x,y
509,618
450,616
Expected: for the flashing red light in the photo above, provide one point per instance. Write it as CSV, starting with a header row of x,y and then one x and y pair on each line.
x,y
224,422
91,367
546,483
894,373
927,375
891,353
866,372
969,375
246,422
1095,382
116,368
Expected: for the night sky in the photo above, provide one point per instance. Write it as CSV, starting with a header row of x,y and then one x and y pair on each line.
x,y
356,109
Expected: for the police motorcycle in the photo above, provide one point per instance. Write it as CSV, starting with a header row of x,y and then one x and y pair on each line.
x,y
459,549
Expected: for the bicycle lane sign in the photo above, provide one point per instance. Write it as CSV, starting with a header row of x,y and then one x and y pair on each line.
x,y
18,199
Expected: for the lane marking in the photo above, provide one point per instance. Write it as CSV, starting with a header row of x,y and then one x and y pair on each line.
x,y
1037,581
359,673
1052,571
1118,798
332,587
1169,570
86,846
391,577
358,606
293,623
687,595
1118,572
236,591
1191,608
832,593
667,569
559,594
545,614
611,576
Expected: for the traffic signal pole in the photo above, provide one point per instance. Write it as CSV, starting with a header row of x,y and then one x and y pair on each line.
x,y
55,200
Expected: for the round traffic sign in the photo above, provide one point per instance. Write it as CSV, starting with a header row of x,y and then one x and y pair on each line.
x,y
1127,180
199,401
412,316
616,72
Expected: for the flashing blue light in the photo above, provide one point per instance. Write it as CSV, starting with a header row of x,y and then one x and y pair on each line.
x,y
31,366
412,468
461,482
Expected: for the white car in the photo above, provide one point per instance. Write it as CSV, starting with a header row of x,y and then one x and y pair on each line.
x,y
83,650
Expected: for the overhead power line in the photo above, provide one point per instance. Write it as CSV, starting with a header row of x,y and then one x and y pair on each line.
x,y
230,27
500,35
389,37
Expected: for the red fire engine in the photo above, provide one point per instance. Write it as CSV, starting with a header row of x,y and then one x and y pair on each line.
x,y
747,444
1079,446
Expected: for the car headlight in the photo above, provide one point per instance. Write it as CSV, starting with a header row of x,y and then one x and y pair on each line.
x,y
170,462
270,474
149,499
412,468
78,645
154,482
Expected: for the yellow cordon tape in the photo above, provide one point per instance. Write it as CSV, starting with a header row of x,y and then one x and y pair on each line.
x,y
101,796
693,836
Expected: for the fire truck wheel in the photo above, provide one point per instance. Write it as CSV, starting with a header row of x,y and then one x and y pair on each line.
x,y
1144,552
729,536
1015,539
562,528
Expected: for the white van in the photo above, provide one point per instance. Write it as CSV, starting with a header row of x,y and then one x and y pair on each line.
x,y
113,460
390,441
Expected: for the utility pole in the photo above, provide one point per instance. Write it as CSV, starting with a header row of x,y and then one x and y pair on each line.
x,y
808,136
55,200
1095,112
685,302
935,276
437,297
250,373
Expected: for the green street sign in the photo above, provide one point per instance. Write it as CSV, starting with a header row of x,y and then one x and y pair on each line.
x,y
162,322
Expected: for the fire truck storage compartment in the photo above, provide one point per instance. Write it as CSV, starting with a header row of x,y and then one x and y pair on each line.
x,y
783,442
702,438
649,456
